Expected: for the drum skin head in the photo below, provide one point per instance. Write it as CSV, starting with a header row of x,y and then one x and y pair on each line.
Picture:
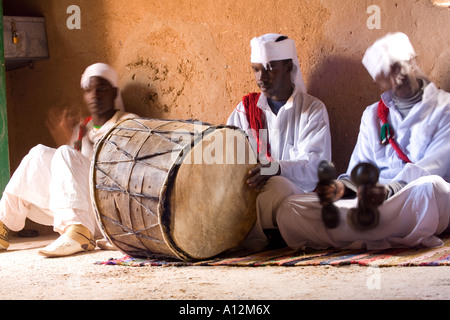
x,y
210,209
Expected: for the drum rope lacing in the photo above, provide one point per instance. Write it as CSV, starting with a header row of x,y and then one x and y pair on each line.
x,y
136,159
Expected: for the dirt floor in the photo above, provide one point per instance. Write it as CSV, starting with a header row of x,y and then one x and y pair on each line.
x,y
26,275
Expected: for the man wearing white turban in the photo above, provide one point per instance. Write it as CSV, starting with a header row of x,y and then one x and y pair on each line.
x,y
104,71
51,186
406,135
288,128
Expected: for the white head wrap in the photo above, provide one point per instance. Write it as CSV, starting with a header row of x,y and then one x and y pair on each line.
x,y
104,71
392,48
265,49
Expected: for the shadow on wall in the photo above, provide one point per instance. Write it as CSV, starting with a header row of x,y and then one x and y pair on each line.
x,y
141,99
446,84
344,85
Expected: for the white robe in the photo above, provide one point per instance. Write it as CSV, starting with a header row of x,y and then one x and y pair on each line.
x,y
414,216
51,186
423,136
299,137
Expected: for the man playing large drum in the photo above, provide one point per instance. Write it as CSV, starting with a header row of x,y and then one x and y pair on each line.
x,y
51,186
289,128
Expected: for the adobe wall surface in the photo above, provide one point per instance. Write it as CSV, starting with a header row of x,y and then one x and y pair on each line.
x,y
190,59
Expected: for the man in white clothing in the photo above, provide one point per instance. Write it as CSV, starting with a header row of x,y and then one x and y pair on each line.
x,y
288,128
51,186
406,135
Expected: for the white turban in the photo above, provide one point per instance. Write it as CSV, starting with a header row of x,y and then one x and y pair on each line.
x,y
392,48
266,49
104,71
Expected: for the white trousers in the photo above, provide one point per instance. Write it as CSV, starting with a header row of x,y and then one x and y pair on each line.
x,y
271,196
413,217
50,187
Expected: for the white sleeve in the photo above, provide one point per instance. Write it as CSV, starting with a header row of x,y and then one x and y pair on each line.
x,y
434,162
238,118
363,151
436,159
312,146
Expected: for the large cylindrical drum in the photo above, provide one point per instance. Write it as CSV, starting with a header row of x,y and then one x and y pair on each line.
x,y
174,188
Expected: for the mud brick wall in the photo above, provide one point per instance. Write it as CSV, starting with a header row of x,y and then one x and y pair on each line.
x,y
190,59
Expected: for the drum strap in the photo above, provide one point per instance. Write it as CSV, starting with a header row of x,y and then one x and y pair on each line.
x,y
387,135
256,119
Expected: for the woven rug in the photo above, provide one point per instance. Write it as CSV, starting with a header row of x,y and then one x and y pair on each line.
x,y
404,257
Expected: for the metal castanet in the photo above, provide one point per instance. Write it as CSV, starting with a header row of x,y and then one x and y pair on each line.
x,y
364,216
326,174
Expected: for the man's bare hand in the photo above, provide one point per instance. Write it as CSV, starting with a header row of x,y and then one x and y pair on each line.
x,y
258,176
373,196
330,192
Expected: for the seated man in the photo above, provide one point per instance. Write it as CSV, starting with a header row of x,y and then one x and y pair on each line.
x,y
51,186
288,128
406,135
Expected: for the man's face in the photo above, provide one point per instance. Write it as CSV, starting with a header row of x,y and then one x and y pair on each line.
x,y
99,96
275,81
401,79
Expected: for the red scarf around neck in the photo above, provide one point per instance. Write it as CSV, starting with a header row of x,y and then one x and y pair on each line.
x,y
387,135
256,119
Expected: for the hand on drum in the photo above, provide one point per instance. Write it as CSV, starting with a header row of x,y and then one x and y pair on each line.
x,y
257,177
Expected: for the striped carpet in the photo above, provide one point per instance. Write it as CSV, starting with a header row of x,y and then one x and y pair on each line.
x,y
404,257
